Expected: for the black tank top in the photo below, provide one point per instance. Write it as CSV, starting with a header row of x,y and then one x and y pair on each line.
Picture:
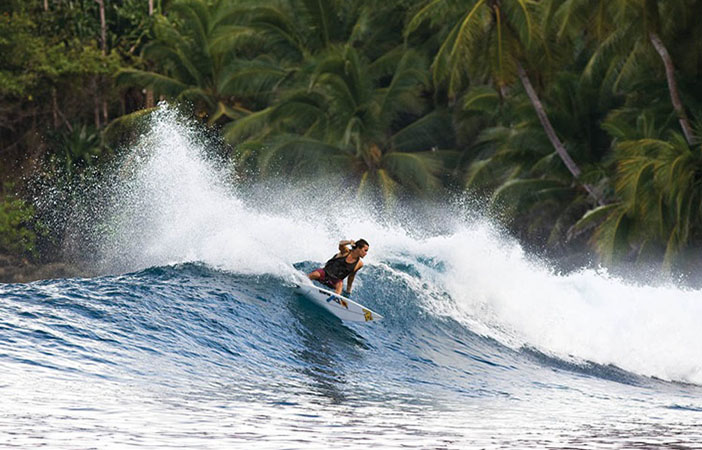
x,y
338,268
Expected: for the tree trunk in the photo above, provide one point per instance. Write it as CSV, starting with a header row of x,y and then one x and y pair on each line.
x,y
54,108
150,98
96,103
46,5
149,92
673,87
57,114
103,46
103,27
551,133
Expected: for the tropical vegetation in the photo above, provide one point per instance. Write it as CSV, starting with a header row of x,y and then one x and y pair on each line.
x,y
579,120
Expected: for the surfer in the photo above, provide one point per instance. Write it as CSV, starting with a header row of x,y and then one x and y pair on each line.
x,y
344,264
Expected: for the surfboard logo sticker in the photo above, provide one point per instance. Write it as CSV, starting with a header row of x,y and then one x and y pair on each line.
x,y
367,315
338,300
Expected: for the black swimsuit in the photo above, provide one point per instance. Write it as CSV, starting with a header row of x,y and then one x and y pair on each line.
x,y
338,269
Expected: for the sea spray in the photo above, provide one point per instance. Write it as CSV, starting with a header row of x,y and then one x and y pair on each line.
x,y
586,315
170,201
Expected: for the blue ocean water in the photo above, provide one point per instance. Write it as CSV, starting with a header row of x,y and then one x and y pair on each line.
x,y
194,337
190,356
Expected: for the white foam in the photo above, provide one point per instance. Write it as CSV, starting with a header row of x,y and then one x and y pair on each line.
x,y
176,205
588,315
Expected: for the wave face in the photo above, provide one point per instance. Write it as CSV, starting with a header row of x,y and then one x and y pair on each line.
x,y
198,339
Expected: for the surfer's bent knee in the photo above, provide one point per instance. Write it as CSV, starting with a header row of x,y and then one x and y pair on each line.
x,y
314,275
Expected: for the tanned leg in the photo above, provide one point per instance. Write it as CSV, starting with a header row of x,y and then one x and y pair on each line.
x,y
313,275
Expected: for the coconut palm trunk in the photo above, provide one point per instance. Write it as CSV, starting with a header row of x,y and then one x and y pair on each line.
x,y
551,133
672,86
103,27
96,102
150,92
97,80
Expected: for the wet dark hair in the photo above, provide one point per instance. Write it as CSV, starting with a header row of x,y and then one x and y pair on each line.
x,y
360,243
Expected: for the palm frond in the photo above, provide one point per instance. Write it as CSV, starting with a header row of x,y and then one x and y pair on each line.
x,y
197,15
481,99
467,31
300,112
402,93
279,31
631,65
442,67
485,174
433,130
174,60
611,237
250,78
614,44
292,155
161,84
247,127
515,195
592,218
385,64
322,16
417,171
430,11
570,17
224,110
122,127
229,38
387,186
519,15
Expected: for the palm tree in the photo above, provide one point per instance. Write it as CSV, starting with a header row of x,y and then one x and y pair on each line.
x,y
491,39
658,183
528,184
196,61
294,34
358,116
630,33
643,221
296,30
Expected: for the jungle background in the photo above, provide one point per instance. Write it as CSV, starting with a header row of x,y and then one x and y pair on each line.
x,y
576,122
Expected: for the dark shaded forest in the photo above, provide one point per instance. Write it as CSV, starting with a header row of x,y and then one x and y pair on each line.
x,y
577,122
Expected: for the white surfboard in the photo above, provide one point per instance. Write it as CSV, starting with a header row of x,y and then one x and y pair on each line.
x,y
342,307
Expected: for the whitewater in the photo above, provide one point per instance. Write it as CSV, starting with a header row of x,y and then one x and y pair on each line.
x,y
191,334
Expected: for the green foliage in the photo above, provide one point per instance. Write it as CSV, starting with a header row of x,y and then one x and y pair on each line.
x,y
125,128
78,149
514,163
16,220
359,117
129,25
401,98
53,77
28,61
195,61
481,39
659,184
